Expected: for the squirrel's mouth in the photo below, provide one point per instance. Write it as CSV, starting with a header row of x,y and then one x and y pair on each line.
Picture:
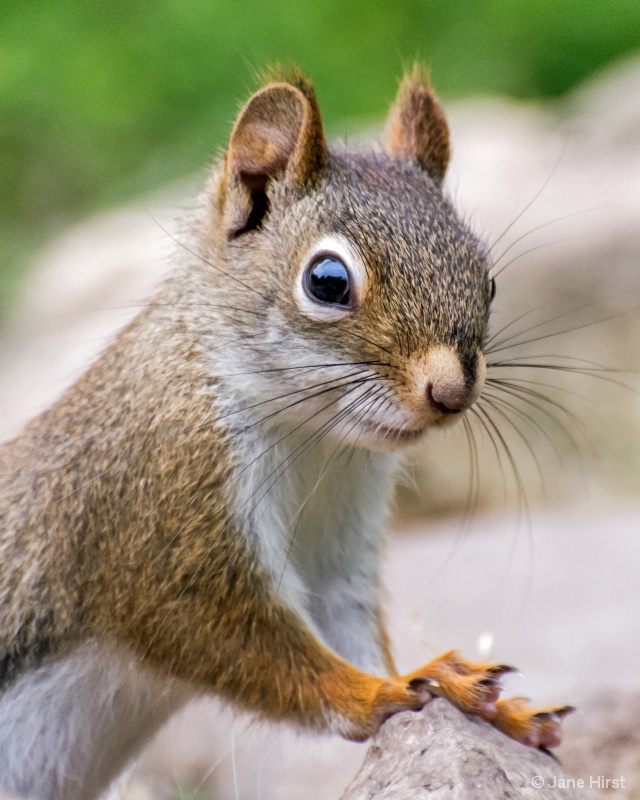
x,y
392,435
383,435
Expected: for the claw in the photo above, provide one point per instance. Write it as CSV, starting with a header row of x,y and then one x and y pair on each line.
x,y
489,682
535,728
555,715
550,732
492,689
487,706
498,670
475,689
564,711
419,685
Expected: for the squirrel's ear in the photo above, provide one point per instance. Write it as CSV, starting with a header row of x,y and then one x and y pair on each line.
x,y
278,134
417,127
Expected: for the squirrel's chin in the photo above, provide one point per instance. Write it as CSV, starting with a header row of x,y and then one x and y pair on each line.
x,y
377,436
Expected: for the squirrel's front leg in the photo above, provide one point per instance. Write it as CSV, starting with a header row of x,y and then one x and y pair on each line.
x,y
270,662
261,655
227,630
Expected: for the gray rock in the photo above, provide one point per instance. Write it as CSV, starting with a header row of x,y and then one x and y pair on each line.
x,y
441,754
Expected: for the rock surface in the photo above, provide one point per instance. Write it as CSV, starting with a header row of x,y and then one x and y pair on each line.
x,y
441,754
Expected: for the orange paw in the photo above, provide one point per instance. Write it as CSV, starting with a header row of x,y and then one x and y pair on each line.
x,y
536,727
390,696
473,687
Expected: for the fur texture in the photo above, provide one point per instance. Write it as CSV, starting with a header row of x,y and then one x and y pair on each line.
x,y
205,507
78,720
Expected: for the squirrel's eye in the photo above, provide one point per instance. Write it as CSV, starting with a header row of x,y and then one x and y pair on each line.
x,y
492,289
327,280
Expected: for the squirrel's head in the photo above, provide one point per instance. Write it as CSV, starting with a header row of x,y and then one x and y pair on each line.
x,y
366,297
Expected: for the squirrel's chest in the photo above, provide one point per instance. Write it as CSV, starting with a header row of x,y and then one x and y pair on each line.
x,y
317,520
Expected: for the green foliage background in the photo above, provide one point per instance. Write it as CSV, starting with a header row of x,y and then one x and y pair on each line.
x,y
99,101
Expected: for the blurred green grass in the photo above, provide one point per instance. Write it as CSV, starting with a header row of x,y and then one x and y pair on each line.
x,y
99,102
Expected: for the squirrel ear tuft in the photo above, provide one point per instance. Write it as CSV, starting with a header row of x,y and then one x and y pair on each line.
x,y
417,127
279,130
277,134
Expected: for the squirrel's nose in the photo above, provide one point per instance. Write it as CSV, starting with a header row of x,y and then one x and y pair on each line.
x,y
449,399
448,389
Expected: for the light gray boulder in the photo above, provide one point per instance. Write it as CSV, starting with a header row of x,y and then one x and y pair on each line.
x,y
442,754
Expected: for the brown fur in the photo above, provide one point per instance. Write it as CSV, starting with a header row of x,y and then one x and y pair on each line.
x,y
115,505
417,127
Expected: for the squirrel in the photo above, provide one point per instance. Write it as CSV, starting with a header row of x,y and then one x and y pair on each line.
x,y
204,510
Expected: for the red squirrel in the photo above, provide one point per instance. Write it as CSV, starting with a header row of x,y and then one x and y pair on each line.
x,y
204,510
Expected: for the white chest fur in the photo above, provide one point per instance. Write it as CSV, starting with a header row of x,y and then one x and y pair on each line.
x,y
319,520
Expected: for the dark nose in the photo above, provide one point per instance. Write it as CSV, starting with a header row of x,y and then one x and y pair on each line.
x,y
449,398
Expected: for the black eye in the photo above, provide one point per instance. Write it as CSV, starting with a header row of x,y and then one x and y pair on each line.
x,y
492,289
328,281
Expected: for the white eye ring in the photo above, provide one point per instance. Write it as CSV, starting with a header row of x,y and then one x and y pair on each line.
x,y
339,247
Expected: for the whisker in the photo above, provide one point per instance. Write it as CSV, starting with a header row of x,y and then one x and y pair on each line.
x,y
524,511
546,224
323,470
364,339
500,331
226,415
523,505
156,304
509,343
317,394
513,260
504,408
309,366
533,199
591,372
517,381
209,263
355,384
474,478
293,457
487,430
472,500
525,392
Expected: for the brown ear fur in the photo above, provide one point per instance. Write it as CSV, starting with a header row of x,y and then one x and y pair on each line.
x,y
417,127
279,130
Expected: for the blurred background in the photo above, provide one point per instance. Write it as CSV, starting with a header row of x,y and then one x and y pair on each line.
x,y
110,115
100,102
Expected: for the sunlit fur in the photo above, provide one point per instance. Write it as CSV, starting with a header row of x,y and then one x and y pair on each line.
x,y
204,509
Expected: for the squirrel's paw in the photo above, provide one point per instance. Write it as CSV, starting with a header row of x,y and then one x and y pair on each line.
x,y
536,727
390,696
473,687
